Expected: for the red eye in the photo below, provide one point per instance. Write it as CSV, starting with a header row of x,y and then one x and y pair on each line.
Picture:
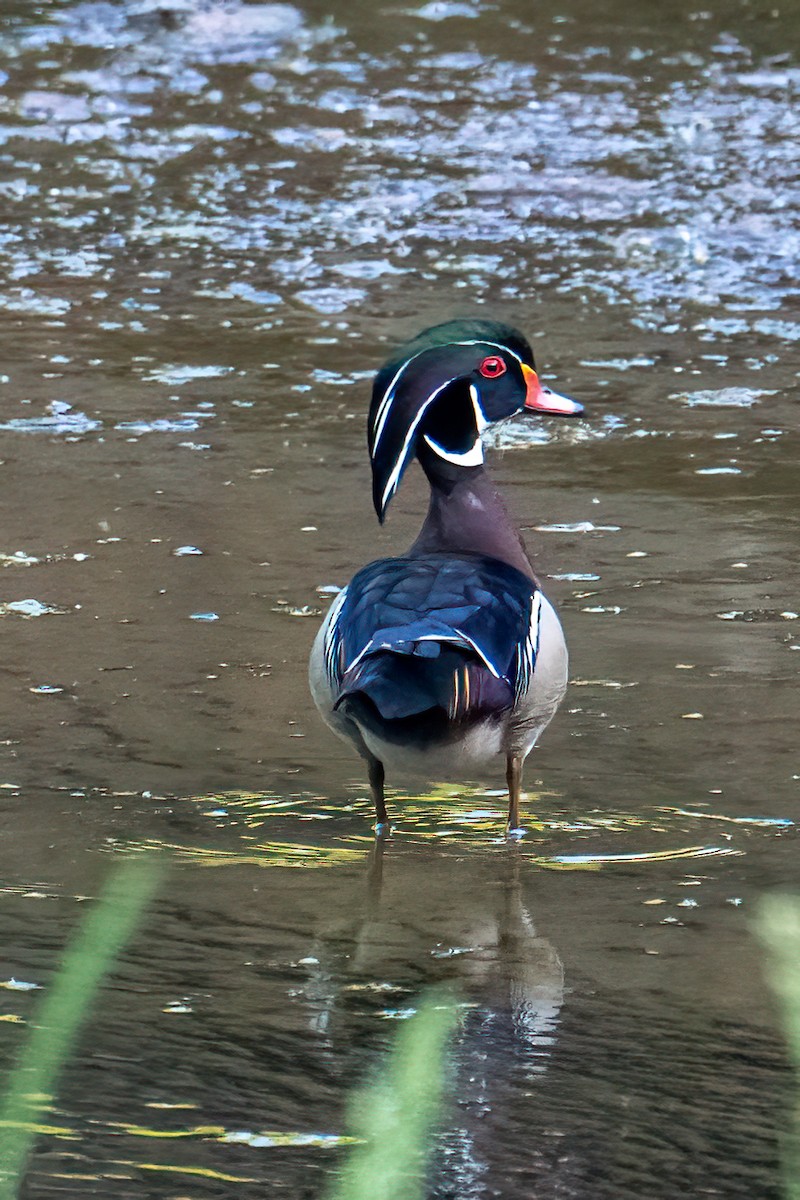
x,y
492,367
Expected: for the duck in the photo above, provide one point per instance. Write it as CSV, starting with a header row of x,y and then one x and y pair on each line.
x,y
448,658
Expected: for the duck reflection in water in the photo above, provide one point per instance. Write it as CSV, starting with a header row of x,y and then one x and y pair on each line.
x,y
444,925
451,655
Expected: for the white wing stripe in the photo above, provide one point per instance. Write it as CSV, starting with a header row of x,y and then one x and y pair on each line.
x,y
454,639
331,641
528,650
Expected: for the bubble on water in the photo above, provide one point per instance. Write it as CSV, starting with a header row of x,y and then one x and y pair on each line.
x,y
26,300
28,608
263,81
577,527
312,138
366,268
61,419
757,615
331,299
299,610
786,331
619,364
726,326
177,1006
18,559
522,432
730,397
175,374
161,425
244,1137
614,684
166,33
442,10
253,295
54,106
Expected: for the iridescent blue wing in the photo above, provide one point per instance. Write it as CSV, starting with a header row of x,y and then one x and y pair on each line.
x,y
447,613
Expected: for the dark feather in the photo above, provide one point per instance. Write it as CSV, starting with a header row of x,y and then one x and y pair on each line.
x,y
444,632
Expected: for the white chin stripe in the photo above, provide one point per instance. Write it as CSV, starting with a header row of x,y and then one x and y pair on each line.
x,y
480,416
469,458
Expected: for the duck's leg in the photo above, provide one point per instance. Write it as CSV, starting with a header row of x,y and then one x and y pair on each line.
x,y
514,781
376,777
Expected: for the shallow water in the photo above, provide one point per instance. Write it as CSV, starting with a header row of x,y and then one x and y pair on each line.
x,y
213,218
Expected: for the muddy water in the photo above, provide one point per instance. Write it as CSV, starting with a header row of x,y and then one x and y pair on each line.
x,y
212,221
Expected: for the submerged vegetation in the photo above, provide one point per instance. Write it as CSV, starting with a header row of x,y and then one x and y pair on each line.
x,y
779,927
393,1118
89,957
396,1115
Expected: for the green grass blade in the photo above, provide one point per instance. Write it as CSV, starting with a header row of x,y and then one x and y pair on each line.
x,y
396,1115
90,955
779,929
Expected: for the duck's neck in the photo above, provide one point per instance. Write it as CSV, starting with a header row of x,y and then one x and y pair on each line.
x,y
467,515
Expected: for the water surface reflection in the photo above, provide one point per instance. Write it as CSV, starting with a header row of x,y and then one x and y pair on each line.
x,y
259,994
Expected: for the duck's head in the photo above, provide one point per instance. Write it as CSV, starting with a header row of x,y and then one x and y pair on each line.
x,y
436,395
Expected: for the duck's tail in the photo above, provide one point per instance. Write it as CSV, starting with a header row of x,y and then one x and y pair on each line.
x,y
428,691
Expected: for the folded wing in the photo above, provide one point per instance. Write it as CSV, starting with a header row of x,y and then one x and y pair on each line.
x,y
449,632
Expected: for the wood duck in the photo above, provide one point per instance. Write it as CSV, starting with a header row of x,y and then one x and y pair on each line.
x,y
450,655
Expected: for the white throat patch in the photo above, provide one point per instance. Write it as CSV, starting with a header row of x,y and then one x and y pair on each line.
x,y
466,458
480,417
